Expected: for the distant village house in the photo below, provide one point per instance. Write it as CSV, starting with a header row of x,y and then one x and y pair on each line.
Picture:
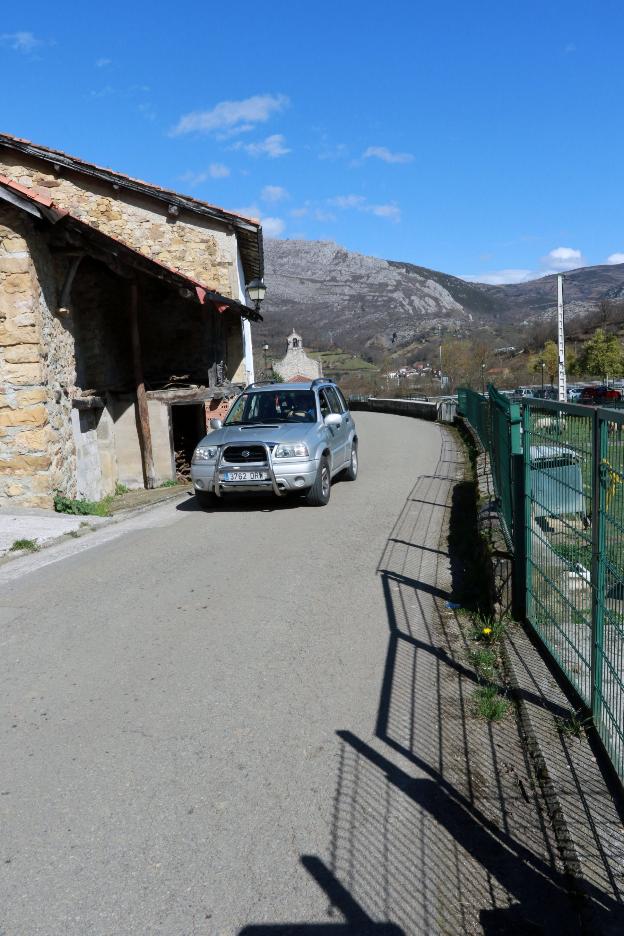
x,y
123,324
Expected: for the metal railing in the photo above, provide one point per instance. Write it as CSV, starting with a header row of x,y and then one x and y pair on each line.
x,y
564,510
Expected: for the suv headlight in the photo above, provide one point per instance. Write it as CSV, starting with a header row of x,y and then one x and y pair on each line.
x,y
296,450
205,453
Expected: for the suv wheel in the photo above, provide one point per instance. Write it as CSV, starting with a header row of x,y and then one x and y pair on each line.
x,y
350,473
319,493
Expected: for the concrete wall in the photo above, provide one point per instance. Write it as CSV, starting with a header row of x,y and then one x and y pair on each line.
x,y
127,448
417,408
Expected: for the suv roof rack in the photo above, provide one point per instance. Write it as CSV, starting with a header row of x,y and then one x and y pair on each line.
x,y
320,380
258,383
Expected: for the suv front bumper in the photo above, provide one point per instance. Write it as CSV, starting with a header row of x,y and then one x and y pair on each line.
x,y
284,476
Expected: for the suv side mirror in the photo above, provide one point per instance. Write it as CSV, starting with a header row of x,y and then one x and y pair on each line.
x,y
216,424
333,420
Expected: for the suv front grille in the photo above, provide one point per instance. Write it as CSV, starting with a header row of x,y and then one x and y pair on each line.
x,y
241,454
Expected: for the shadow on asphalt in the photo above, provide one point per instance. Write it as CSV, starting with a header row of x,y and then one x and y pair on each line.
x,y
443,831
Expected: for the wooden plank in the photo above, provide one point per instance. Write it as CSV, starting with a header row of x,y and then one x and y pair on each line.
x,y
145,436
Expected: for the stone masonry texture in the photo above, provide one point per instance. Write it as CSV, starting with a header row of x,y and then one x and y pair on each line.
x,y
47,359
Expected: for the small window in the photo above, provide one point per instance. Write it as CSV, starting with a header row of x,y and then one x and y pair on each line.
x,y
342,399
334,402
324,403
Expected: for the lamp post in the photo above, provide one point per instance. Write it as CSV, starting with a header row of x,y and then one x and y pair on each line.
x,y
543,363
265,348
483,379
256,290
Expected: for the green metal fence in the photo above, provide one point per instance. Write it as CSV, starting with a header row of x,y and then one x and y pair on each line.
x,y
568,472
496,421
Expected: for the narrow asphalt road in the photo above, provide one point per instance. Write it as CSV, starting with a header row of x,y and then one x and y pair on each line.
x,y
170,699
172,687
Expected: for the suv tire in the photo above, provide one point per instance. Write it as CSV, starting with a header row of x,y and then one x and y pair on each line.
x,y
320,492
350,472
205,499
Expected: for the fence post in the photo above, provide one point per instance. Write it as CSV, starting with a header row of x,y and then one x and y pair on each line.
x,y
526,527
599,447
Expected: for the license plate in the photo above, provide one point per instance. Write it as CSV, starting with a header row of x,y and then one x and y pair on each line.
x,y
244,476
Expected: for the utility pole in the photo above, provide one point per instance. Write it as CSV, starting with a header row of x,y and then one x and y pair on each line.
x,y
562,395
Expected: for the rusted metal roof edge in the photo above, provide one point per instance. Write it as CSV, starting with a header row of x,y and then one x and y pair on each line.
x,y
56,215
241,223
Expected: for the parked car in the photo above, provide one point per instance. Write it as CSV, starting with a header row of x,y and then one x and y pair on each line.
x,y
597,395
289,438
574,394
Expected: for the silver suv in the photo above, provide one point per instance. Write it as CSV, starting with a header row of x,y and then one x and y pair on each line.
x,y
281,438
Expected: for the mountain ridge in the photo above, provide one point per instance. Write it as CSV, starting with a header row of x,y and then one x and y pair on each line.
x,y
340,297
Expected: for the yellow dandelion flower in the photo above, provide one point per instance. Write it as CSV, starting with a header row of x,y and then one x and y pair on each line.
x,y
487,631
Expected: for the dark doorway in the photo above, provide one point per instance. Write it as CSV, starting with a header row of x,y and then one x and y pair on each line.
x,y
188,426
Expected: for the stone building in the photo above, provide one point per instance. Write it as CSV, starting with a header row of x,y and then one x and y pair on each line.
x,y
296,363
122,322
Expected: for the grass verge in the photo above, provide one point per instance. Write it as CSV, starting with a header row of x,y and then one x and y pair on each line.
x,y
27,545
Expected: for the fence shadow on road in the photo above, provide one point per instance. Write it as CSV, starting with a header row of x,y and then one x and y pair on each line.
x,y
436,827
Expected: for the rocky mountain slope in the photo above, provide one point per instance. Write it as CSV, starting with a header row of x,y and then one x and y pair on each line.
x,y
356,302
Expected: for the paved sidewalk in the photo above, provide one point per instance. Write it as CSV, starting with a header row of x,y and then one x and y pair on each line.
x,y
40,526
44,527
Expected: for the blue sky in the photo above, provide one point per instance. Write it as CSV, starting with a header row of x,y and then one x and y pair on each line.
x,y
484,139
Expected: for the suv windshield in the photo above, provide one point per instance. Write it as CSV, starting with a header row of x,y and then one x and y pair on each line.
x,y
271,406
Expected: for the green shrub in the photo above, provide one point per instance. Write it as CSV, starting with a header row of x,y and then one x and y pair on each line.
x,y
27,544
489,704
120,489
484,661
69,505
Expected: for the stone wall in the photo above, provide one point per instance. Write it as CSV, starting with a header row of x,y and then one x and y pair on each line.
x,y
36,368
198,247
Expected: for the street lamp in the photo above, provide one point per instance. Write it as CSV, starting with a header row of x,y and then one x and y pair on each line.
x,y
256,290
483,379
543,363
265,348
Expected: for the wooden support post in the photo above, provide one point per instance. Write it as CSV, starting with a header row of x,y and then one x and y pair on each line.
x,y
145,436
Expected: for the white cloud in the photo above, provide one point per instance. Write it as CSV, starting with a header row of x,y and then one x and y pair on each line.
x,y
103,62
502,277
333,151
21,41
273,146
615,258
214,171
218,171
273,193
321,215
558,260
272,227
232,116
383,153
300,212
347,201
390,211
561,259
